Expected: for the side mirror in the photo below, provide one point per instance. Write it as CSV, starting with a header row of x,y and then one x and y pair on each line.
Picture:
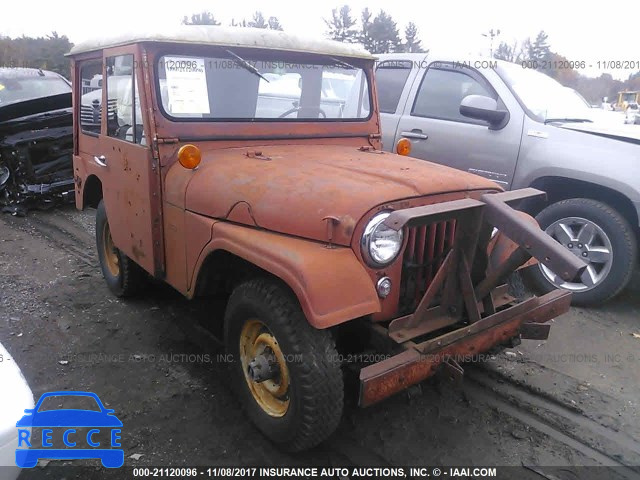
x,y
484,108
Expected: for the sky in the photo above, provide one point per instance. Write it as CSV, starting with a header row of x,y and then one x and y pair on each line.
x,y
452,26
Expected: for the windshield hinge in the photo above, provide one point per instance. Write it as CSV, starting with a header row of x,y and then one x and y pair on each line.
x,y
165,141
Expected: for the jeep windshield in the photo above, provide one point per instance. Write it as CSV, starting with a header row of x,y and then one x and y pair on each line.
x,y
542,96
237,87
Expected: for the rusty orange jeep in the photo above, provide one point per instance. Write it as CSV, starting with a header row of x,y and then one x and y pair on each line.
x,y
248,163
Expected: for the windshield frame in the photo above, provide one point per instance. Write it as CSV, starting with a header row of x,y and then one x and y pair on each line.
x,y
258,54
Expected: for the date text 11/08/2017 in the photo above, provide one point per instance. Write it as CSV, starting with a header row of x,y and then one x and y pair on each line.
x,y
316,472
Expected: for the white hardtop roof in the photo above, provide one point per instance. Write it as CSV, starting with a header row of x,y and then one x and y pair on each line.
x,y
228,37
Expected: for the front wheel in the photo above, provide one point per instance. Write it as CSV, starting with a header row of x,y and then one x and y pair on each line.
x,y
597,234
286,373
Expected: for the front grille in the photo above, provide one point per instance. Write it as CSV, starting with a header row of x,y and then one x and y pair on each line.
x,y
427,246
90,113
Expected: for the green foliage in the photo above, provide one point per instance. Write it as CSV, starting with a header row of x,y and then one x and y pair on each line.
x,y
341,26
258,21
203,18
412,43
274,23
41,52
539,50
385,35
365,36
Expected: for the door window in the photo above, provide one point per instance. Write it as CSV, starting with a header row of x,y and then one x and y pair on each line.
x,y
91,97
442,91
391,78
125,115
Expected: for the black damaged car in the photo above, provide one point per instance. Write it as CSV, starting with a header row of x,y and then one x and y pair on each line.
x,y
36,140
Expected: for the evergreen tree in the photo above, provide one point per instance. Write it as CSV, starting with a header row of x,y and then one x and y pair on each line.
x,y
341,25
412,44
203,18
385,35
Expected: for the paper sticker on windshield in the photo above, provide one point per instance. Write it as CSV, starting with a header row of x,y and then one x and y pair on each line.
x,y
186,85
1,86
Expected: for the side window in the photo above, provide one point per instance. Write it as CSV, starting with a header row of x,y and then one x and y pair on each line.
x,y
442,91
391,78
124,112
91,97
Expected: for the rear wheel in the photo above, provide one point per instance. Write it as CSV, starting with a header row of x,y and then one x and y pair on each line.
x,y
598,235
286,373
123,276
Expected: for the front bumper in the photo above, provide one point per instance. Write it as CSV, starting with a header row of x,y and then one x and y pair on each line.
x,y
468,295
420,361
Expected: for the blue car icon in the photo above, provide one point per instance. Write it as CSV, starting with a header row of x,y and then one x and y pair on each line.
x,y
105,418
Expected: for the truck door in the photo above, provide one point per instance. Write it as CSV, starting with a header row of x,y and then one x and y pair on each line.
x,y
439,133
125,159
392,78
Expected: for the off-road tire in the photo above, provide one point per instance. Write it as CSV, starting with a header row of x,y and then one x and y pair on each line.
x,y
623,242
316,387
131,278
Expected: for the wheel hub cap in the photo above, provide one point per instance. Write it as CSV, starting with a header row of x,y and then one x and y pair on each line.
x,y
587,241
264,367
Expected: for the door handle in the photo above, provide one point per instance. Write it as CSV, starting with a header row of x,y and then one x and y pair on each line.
x,y
414,134
101,160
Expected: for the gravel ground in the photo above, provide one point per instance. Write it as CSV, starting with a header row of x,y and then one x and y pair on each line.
x,y
571,400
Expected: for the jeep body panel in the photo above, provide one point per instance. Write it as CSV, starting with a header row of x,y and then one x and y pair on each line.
x,y
294,189
296,199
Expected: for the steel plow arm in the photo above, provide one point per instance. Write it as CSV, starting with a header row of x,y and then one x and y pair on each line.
x,y
498,213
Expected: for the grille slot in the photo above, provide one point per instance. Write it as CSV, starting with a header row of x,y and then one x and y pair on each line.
x,y
427,246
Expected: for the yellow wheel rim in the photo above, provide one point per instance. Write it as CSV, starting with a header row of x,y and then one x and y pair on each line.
x,y
110,252
272,395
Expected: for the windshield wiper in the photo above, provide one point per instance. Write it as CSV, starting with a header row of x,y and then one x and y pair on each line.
x,y
248,66
568,120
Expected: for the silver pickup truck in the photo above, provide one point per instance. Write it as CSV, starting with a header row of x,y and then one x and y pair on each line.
x,y
520,128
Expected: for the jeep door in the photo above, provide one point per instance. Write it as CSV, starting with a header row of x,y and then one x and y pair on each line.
x,y
439,133
125,158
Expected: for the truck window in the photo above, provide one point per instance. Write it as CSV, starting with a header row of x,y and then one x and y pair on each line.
x,y
442,91
91,97
122,93
391,77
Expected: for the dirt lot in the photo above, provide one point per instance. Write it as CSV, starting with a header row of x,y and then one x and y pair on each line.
x,y
570,401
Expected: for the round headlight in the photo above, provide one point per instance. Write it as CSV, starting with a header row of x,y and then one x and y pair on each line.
x,y
380,244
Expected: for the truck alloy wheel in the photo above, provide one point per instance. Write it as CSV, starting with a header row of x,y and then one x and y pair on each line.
x,y
285,372
586,240
598,235
123,276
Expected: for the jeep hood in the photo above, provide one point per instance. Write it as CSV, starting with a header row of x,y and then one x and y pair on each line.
x,y
293,189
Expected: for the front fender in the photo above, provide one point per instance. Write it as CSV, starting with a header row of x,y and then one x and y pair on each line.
x,y
331,284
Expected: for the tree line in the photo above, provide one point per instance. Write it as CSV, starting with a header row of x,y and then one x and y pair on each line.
x,y
537,54
377,33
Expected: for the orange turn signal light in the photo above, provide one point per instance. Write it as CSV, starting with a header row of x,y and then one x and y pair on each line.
x,y
189,156
403,147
